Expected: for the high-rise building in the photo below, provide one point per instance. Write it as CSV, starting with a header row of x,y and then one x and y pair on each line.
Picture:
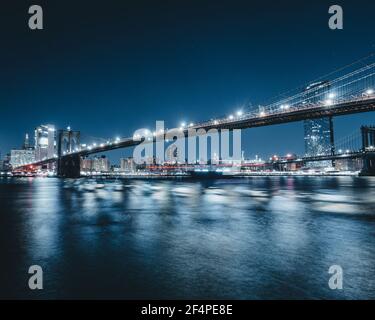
x,y
128,165
317,131
317,137
26,144
45,142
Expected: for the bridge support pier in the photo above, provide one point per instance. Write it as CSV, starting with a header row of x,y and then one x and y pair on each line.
x,y
69,166
368,140
332,140
368,165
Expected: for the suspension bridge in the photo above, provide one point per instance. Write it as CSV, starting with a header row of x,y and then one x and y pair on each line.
x,y
345,91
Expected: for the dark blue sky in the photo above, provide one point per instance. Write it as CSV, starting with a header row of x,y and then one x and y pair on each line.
x,y
110,67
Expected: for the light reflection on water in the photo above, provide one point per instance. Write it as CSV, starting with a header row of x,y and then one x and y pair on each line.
x,y
256,238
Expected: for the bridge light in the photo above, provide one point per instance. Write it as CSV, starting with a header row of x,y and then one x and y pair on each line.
x,y
154,134
262,114
340,150
94,144
231,117
328,102
102,145
191,124
347,151
287,106
215,122
331,95
68,128
370,92
239,113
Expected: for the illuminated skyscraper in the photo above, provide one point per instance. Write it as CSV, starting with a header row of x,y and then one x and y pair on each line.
x,y
317,137
45,142
317,131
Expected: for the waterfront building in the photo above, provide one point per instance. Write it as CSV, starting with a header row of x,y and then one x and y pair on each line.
x,y
128,165
101,164
21,157
349,164
87,165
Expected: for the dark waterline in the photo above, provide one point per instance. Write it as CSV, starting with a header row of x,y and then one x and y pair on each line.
x,y
251,238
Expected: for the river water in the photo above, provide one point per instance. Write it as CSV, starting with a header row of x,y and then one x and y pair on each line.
x,y
249,238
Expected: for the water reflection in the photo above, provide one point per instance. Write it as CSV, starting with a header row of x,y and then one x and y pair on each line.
x,y
256,238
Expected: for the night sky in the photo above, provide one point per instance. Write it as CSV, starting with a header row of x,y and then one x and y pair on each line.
x,y
110,67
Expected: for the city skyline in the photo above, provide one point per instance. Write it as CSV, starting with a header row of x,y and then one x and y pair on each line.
x,y
168,66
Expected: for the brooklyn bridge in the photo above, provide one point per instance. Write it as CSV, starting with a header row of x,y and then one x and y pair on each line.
x,y
350,91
